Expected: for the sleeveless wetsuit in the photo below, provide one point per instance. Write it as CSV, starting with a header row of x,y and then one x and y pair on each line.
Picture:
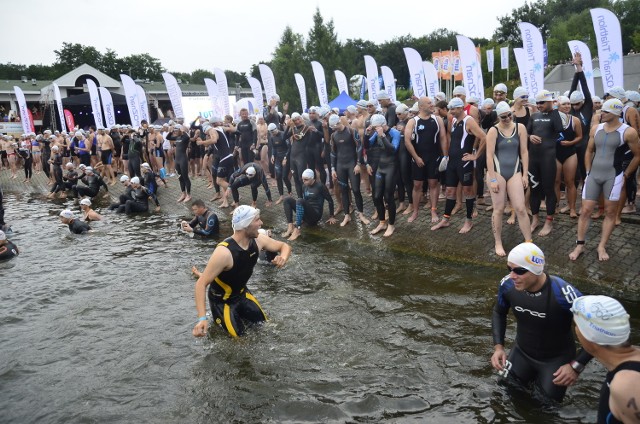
x,y
459,171
606,174
506,157
426,142
604,413
565,152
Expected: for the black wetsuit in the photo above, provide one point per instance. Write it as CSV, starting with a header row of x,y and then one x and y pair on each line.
x,y
25,153
232,304
247,136
565,152
458,170
182,160
309,208
117,143
46,155
524,120
542,159
585,113
240,179
93,183
346,152
70,179
57,173
223,163
205,225
8,251
279,149
138,203
122,198
151,185
299,138
126,141
386,173
544,335
315,149
426,142
134,155
77,226
604,412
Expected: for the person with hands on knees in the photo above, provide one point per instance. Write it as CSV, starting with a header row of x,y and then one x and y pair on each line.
x,y
544,352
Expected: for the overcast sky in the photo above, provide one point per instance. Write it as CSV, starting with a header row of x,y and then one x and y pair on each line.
x,y
187,34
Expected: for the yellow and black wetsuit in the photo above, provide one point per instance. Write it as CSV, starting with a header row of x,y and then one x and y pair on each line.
x,y
232,304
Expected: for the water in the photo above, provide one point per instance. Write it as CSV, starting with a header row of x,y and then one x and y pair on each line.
x,y
97,328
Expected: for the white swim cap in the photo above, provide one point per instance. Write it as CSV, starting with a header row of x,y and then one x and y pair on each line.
x,y
70,165
459,90
440,96
308,173
601,319
614,106
146,165
383,96
66,214
503,107
519,92
529,256
455,102
251,171
135,180
55,148
402,108
488,101
576,97
333,121
501,87
351,109
596,99
563,99
243,216
617,92
86,202
295,115
124,178
272,127
544,96
378,120
88,169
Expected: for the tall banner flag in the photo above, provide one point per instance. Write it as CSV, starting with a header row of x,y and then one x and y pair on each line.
x,y
521,61
256,90
58,98
25,117
372,77
456,66
437,63
212,90
144,107
587,65
175,94
389,82
302,88
68,118
223,90
107,105
431,77
268,81
363,87
490,60
341,79
445,64
96,109
321,82
534,54
504,57
416,71
471,69
607,28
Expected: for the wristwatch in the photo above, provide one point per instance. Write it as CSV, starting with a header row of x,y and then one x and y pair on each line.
x,y
577,366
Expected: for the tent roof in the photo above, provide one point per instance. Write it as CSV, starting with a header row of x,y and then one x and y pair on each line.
x,y
342,101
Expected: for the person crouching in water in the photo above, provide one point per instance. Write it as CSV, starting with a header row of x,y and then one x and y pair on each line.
x,y
139,202
205,222
76,226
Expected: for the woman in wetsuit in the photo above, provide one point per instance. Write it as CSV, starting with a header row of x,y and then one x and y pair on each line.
x,y
507,172
566,156
521,110
279,148
56,162
298,135
25,153
182,161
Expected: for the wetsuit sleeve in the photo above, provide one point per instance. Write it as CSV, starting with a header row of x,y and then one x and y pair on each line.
x,y
328,198
557,121
194,222
359,149
334,156
211,226
103,184
152,195
500,311
395,139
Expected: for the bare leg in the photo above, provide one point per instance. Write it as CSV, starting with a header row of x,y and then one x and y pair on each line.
x,y
583,224
417,194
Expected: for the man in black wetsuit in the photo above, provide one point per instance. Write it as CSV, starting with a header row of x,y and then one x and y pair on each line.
x,y
76,226
544,129
124,196
309,208
93,183
181,140
251,174
603,329
8,250
205,219
247,135
233,307
279,150
544,352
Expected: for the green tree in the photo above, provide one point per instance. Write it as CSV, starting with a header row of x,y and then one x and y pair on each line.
x,y
143,66
322,46
71,56
289,58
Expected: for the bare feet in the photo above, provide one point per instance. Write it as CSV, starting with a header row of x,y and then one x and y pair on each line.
x,y
534,223
374,216
113,182
401,207
456,208
224,204
480,201
579,250
546,228
573,213
288,232
489,208
565,209
512,218
602,254
468,225
442,224
280,200
389,232
188,198
363,219
217,196
629,209
618,221
508,209
413,217
474,214
381,226
408,210
500,250
295,234
434,216
346,220
338,210
181,198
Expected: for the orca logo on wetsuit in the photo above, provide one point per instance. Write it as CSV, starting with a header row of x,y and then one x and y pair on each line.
x,y
533,313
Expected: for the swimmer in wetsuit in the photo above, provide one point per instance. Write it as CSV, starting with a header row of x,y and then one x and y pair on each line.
x,y
205,223
603,329
251,174
8,250
507,172
544,352
279,149
76,226
233,307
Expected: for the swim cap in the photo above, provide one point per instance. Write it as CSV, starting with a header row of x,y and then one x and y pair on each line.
x,y
614,106
415,108
272,127
276,97
3,236
135,180
295,115
70,165
402,108
576,97
146,165
601,319
503,107
383,96
56,148
86,202
243,216
455,102
177,127
459,90
314,109
633,96
563,99
362,104
251,171
501,87
82,166
351,109
308,173
378,120
519,92
488,101
544,96
529,256
333,121
596,99
440,96
473,100
617,92
66,214
124,178
88,169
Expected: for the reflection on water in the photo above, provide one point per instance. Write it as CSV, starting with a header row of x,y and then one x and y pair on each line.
x,y
98,328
